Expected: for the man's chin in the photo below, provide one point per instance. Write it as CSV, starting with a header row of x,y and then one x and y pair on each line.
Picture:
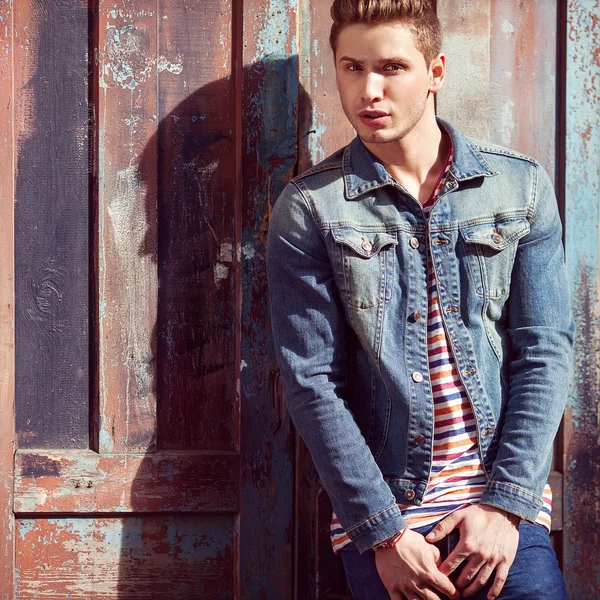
x,y
377,137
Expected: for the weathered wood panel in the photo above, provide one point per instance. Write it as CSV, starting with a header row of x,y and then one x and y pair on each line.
x,y
582,212
149,558
51,223
85,482
465,98
196,226
523,102
268,147
7,301
126,121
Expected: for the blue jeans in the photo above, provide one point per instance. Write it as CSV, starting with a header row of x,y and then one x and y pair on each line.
x,y
534,575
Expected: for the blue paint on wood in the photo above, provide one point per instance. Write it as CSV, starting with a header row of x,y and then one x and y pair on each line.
x,y
582,215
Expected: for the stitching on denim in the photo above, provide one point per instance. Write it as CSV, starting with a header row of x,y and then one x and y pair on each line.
x,y
371,519
317,169
499,150
514,487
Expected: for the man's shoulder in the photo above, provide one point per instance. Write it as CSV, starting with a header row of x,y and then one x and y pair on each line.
x,y
502,151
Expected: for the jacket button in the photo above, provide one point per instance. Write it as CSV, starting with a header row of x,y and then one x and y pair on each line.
x,y
497,238
417,377
414,243
366,246
409,494
419,440
417,315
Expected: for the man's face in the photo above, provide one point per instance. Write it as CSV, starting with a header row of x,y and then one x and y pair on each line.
x,y
383,80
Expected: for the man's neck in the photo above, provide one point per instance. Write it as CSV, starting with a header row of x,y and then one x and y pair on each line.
x,y
417,160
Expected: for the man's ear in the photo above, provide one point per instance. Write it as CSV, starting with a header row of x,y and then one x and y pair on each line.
x,y
437,73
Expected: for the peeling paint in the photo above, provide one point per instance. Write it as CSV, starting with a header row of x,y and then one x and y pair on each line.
x,y
172,67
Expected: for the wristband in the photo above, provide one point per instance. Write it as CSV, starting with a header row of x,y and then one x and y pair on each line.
x,y
391,541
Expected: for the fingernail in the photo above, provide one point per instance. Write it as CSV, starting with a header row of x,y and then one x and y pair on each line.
x,y
430,535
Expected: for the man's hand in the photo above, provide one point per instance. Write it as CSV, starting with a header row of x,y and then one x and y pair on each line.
x,y
489,538
409,570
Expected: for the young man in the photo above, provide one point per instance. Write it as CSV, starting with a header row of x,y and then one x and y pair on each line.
x,y
423,329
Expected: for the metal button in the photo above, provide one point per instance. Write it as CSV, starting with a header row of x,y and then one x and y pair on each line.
x,y
449,184
417,377
497,238
417,315
419,440
409,494
366,245
414,243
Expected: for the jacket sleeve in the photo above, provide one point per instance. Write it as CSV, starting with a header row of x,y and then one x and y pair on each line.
x,y
308,326
541,332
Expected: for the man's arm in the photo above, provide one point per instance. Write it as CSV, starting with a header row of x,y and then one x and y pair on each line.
x,y
309,328
541,329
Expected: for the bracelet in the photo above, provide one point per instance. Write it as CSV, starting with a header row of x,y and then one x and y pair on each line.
x,y
391,541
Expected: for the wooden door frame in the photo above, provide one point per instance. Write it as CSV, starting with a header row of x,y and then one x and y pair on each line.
x,y
7,356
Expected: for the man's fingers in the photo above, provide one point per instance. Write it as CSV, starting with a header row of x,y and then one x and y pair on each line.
x,y
455,558
443,584
426,594
499,581
482,578
469,572
444,527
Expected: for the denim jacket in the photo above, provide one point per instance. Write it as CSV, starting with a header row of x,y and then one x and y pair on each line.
x,y
347,269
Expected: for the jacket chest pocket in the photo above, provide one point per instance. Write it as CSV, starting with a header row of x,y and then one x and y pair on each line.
x,y
490,253
367,260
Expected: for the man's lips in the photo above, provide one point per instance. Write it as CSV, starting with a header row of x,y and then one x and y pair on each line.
x,y
373,117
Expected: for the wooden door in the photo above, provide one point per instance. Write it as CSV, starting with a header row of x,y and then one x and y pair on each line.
x,y
143,143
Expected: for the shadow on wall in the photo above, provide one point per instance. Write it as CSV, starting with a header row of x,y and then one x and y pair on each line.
x,y
192,224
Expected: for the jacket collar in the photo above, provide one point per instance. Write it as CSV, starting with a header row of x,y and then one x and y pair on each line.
x,y
363,172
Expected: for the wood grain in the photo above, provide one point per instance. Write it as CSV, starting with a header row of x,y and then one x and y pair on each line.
x,y
128,280
85,482
51,223
7,301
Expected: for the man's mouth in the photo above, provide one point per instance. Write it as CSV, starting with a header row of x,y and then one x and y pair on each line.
x,y
372,114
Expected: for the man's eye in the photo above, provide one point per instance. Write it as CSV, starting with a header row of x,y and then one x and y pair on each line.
x,y
353,67
394,68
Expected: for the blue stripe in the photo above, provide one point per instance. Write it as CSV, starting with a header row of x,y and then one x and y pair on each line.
x,y
453,396
439,362
455,432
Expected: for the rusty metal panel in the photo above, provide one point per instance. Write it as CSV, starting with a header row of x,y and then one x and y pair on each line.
x,y
138,558
126,121
81,482
582,213
465,98
7,362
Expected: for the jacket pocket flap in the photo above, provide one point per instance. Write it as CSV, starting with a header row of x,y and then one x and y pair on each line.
x,y
364,243
498,235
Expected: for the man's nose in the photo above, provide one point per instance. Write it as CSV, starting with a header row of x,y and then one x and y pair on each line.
x,y
373,87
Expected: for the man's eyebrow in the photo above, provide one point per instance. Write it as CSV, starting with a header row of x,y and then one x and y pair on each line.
x,y
360,61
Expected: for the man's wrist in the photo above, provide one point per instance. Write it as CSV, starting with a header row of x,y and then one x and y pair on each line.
x,y
391,541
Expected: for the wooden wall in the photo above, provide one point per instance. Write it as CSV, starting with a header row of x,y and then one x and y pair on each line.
x,y
142,146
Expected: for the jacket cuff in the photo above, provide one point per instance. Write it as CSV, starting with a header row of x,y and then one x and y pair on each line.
x,y
512,499
377,528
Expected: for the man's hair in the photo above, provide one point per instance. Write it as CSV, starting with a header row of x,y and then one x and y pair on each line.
x,y
418,15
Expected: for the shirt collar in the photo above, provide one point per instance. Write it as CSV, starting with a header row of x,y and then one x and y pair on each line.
x,y
363,172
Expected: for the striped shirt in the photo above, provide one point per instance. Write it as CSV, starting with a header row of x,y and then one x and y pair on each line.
x,y
457,477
